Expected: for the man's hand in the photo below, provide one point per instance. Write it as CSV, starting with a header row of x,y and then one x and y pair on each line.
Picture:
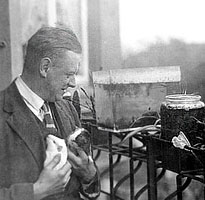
x,y
51,180
82,164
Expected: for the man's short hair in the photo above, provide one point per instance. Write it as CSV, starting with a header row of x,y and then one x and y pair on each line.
x,y
47,38
50,42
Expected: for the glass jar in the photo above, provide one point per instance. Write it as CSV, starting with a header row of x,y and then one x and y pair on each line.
x,y
182,112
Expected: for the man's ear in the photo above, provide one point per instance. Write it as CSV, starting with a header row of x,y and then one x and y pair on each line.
x,y
45,65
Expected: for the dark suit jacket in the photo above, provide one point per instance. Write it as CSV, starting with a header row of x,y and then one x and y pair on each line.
x,y
22,149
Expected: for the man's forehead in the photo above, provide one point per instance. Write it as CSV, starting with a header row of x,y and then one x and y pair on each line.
x,y
74,56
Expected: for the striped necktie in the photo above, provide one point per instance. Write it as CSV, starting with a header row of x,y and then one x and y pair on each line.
x,y
48,120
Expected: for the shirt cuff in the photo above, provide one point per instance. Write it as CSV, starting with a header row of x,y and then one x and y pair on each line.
x,y
91,190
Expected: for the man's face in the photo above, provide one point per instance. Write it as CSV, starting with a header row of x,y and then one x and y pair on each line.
x,y
62,75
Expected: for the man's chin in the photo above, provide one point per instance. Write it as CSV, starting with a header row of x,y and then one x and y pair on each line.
x,y
56,97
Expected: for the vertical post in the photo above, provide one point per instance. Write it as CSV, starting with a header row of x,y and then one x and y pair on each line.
x,y
110,35
179,185
11,52
94,35
111,166
16,38
5,47
131,169
151,170
52,15
204,181
104,35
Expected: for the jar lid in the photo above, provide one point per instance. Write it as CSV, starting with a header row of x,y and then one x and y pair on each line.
x,y
184,101
183,98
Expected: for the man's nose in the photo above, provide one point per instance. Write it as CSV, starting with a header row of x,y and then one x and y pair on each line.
x,y
72,82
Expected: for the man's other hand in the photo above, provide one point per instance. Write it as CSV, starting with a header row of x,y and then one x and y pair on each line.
x,y
83,165
51,180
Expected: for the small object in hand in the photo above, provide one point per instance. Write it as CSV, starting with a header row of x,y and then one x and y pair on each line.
x,y
79,139
55,146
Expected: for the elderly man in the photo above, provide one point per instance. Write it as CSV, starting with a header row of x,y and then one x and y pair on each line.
x,y
51,63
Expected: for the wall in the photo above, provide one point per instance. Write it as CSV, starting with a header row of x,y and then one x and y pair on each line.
x,y
10,45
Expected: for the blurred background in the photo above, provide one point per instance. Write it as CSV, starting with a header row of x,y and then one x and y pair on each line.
x,y
114,34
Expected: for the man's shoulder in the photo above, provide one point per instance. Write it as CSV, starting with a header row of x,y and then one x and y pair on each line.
x,y
3,114
9,95
2,96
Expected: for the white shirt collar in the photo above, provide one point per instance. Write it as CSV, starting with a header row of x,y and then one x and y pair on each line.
x,y
28,95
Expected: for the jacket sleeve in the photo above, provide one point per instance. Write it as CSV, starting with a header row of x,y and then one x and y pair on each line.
x,y
91,190
20,191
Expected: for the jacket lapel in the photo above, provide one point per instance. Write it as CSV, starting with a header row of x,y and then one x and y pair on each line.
x,y
63,118
23,122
